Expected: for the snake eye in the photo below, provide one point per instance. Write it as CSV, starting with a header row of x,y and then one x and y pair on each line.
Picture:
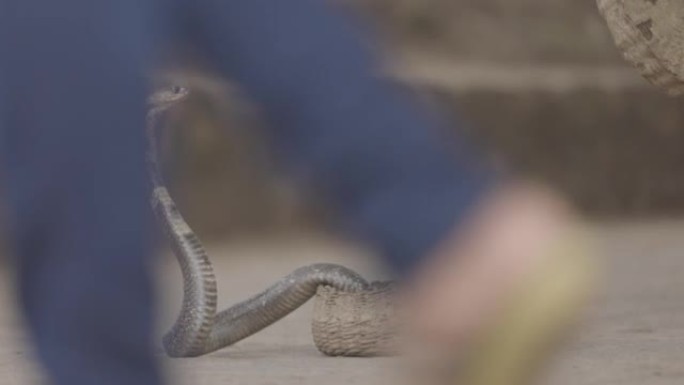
x,y
177,89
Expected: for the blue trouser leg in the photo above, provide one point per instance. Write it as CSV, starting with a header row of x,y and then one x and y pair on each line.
x,y
379,158
73,141
73,155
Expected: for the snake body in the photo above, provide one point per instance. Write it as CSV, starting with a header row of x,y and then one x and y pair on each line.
x,y
199,329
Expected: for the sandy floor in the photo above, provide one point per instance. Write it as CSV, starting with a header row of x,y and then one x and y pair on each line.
x,y
635,335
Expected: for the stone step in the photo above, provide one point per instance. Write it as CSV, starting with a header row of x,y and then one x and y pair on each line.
x,y
499,30
599,133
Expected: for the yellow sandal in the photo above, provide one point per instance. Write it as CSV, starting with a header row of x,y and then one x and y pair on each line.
x,y
538,314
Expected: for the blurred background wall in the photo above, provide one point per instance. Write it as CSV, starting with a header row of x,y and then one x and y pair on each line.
x,y
538,83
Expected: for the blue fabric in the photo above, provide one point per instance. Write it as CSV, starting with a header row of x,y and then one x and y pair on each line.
x,y
396,178
71,135
75,179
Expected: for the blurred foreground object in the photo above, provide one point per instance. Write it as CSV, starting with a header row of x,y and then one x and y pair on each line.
x,y
651,36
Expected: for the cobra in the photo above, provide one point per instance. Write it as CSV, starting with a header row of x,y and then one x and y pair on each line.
x,y
200,329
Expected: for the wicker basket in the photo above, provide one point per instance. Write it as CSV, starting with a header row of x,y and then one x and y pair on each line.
x,y
356,324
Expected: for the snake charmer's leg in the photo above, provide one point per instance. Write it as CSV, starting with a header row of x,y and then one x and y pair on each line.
x,y
77,186
379,157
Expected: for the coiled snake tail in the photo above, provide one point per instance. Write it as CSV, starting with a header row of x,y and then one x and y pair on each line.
x,y
288,294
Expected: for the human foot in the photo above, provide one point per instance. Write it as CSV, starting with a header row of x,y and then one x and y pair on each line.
x,y
468,283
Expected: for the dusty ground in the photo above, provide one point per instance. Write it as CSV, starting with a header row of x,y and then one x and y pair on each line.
x,y
635,335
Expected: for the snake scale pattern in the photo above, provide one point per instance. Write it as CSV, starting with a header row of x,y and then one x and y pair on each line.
x,y
355,328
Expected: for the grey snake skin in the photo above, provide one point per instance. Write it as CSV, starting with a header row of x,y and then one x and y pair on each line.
x,y
199,329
